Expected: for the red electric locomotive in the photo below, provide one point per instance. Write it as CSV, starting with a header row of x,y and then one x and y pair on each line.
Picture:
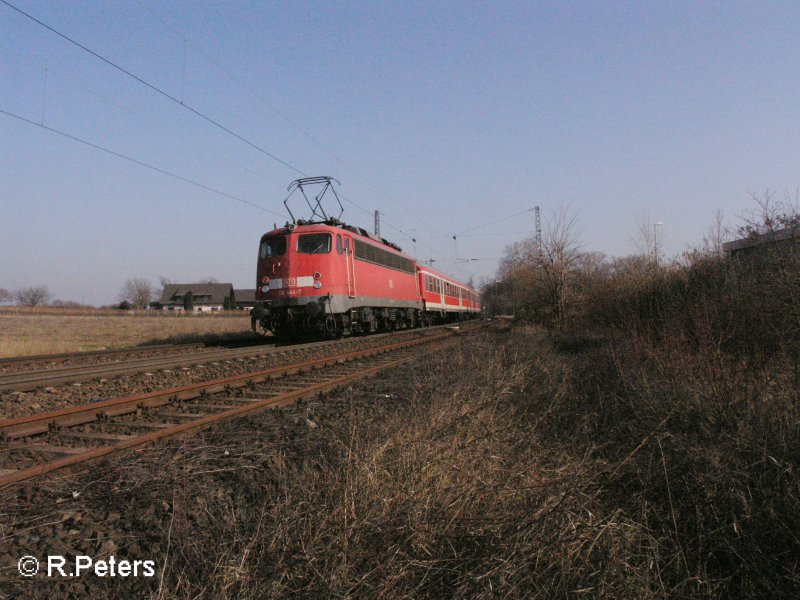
x,y
322,277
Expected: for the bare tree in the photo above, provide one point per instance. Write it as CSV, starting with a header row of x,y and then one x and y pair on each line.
x,y
518,254
164,281
5,296
544,279
771,215
647,239
32,296
137,292
715,236
559,257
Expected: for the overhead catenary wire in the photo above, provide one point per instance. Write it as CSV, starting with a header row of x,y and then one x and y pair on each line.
x,y
169,173
482,234
196,112
157,90
137,114
169,27
174,99
140,163
500,220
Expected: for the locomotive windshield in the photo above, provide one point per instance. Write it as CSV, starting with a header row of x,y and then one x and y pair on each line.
x,y
274,246
314,243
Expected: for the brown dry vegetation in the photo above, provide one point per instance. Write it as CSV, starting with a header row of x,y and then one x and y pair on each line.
x,y
434,482
686,397
521,465
26,333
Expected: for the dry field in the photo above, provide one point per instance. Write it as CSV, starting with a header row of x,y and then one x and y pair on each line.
x,y
26,333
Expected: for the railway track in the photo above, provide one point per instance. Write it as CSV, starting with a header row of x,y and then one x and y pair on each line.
x,y
120,353
21,381
30,380
37,444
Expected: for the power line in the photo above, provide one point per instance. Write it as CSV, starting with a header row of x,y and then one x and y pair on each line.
x,y
482,234
180,177
500,220
140,163
182,104
175,100
238,80
157,89
272,107
122,106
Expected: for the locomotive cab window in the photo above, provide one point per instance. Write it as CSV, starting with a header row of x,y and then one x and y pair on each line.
x,y
314,243
273,246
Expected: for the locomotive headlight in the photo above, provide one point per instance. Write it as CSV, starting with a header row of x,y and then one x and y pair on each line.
x,y
265,289
317,285
317,275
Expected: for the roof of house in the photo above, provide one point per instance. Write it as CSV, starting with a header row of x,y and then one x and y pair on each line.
x,y
215,293
248,295
778,235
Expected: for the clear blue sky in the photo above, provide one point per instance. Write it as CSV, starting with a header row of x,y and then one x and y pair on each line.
x,y
441,115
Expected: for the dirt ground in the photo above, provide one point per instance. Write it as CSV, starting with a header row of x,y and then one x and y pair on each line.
x,y
26,334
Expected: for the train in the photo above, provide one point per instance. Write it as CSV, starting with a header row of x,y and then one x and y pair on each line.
x,y
323,278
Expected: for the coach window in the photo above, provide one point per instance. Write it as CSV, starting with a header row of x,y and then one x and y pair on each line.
x,y
339,247
314,243
274,246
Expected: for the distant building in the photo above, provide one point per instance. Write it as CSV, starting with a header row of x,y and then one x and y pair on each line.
x,y
245,299
787,239
205,297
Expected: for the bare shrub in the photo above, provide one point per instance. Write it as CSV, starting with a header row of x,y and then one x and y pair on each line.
x,y
138,292
33,296
542,281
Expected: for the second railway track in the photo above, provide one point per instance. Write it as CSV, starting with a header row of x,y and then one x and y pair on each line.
x,y
18,362
21,381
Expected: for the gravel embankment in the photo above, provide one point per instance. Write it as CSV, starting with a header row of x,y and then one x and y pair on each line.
x,y
17,404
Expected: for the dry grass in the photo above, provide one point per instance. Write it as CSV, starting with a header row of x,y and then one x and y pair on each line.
x,y
450,493
26,334
456,490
